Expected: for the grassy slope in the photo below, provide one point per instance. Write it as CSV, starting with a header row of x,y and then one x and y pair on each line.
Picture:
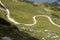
x,y
23,13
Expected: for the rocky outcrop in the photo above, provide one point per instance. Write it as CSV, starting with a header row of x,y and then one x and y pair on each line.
x,y
57,2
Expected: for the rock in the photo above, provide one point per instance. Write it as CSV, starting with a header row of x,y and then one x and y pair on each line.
x,y
57,2
6,38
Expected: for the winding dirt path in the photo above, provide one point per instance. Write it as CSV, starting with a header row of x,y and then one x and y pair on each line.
x,y
34,18
8,14
35,21
9,18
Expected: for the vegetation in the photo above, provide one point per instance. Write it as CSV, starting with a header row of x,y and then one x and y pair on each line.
x,y
23,12
8,30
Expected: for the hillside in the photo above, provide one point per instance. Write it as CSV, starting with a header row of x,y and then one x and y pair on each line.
x,y
37,21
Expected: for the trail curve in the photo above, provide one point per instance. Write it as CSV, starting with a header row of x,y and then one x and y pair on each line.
x,y
34,18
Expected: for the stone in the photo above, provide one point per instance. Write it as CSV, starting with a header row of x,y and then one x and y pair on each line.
x,y
6,38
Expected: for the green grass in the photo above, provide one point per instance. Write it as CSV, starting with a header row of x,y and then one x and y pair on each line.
x,y
23,12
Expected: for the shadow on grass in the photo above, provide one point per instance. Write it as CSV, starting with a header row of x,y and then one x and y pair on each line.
x,y
8,30
55,16
4,22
